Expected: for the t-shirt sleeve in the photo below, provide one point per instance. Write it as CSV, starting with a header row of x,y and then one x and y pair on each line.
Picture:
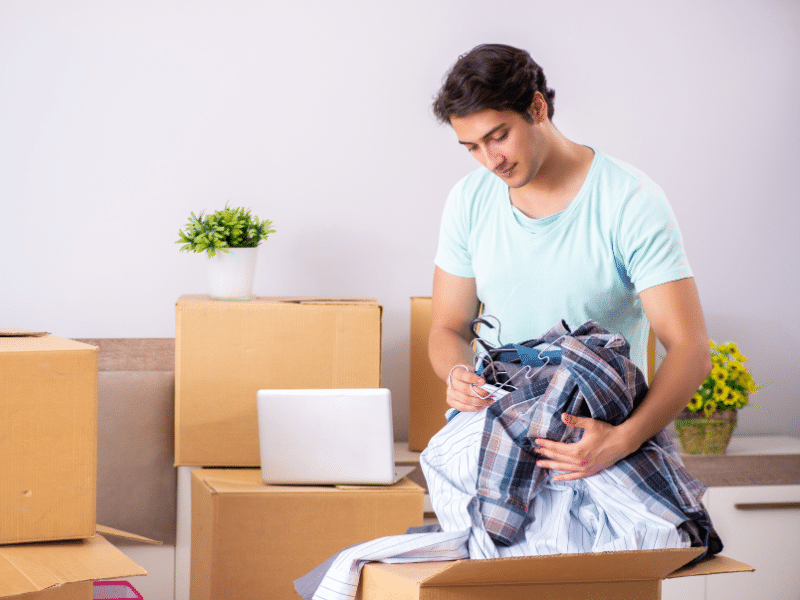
x,y
452,254
649,240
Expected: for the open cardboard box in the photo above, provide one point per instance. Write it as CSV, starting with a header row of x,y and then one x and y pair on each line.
x,y
599,576
31,568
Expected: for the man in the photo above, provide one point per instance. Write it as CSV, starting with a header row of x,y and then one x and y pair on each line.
x,y
547,230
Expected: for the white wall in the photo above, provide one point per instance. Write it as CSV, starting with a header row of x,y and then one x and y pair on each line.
x,y
118,118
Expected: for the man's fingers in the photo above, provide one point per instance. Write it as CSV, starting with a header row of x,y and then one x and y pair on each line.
x,y
466,404
467,378
463,390
461,397
467,382
556,465
559,452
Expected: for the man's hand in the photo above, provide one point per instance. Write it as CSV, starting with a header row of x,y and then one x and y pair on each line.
x,y
601,446
463,393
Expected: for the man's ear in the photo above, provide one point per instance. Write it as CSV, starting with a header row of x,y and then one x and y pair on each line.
x,y
538,109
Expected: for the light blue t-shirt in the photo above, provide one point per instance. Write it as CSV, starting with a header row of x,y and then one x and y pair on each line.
x,y
617,237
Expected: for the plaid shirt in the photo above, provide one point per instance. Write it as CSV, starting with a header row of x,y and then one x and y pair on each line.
x,y
595,378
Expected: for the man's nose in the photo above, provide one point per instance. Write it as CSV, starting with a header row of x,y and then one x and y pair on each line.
x,y
494,159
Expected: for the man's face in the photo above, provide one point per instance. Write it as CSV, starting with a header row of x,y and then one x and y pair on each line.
x,y
504,142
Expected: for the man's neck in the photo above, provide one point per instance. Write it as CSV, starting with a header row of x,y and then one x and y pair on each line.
x,y
558,180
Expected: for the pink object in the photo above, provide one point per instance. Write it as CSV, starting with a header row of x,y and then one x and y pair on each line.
x,y
115,590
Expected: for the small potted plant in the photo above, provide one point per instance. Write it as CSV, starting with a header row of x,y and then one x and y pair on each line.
x,y
230,237
706,424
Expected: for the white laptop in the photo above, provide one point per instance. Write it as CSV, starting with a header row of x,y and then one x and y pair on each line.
x,y
327,437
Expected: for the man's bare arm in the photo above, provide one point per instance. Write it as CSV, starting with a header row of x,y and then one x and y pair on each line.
x,y
454,305
674,312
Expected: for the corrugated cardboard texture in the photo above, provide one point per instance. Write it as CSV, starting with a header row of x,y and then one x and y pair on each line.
x,y
565,568
604,575
428,394
712,566
252,541
226,351
628,590
136,479
27,568
48,439
68,591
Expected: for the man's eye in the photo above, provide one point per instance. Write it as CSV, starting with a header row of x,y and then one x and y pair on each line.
x,y
500,138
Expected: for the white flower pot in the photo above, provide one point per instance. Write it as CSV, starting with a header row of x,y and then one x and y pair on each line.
x,y
231,274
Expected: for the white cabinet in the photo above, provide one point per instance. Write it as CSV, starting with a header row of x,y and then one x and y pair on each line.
x,y
760,526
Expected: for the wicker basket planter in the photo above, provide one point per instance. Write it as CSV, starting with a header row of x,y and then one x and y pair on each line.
x,y
700,435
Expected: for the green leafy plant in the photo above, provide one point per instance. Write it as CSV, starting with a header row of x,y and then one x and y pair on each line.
x,y
223,229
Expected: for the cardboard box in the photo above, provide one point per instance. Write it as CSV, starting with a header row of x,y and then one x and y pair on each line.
x,y
599,576
68,591
48,438
61,570
428,394
226,351
250,540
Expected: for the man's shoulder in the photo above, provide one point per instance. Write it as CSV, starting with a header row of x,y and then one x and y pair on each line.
x,y
622,173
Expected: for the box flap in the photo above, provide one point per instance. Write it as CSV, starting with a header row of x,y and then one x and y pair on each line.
x,y
41,343
110,531
27,568
711,566
565,568
16,332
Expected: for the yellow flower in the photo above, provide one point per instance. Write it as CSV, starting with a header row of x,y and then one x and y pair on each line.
x,y
748,383
733,398
719,374
729,384
696,402
723,348
735,368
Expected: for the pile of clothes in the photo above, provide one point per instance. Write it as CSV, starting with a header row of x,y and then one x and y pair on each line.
x,y
491,498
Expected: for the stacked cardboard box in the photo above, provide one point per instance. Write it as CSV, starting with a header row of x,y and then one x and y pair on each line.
x,y
248,539
226,351
251,540
48,462
49,440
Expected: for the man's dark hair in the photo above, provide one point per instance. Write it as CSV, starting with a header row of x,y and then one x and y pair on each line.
x,y
492,76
